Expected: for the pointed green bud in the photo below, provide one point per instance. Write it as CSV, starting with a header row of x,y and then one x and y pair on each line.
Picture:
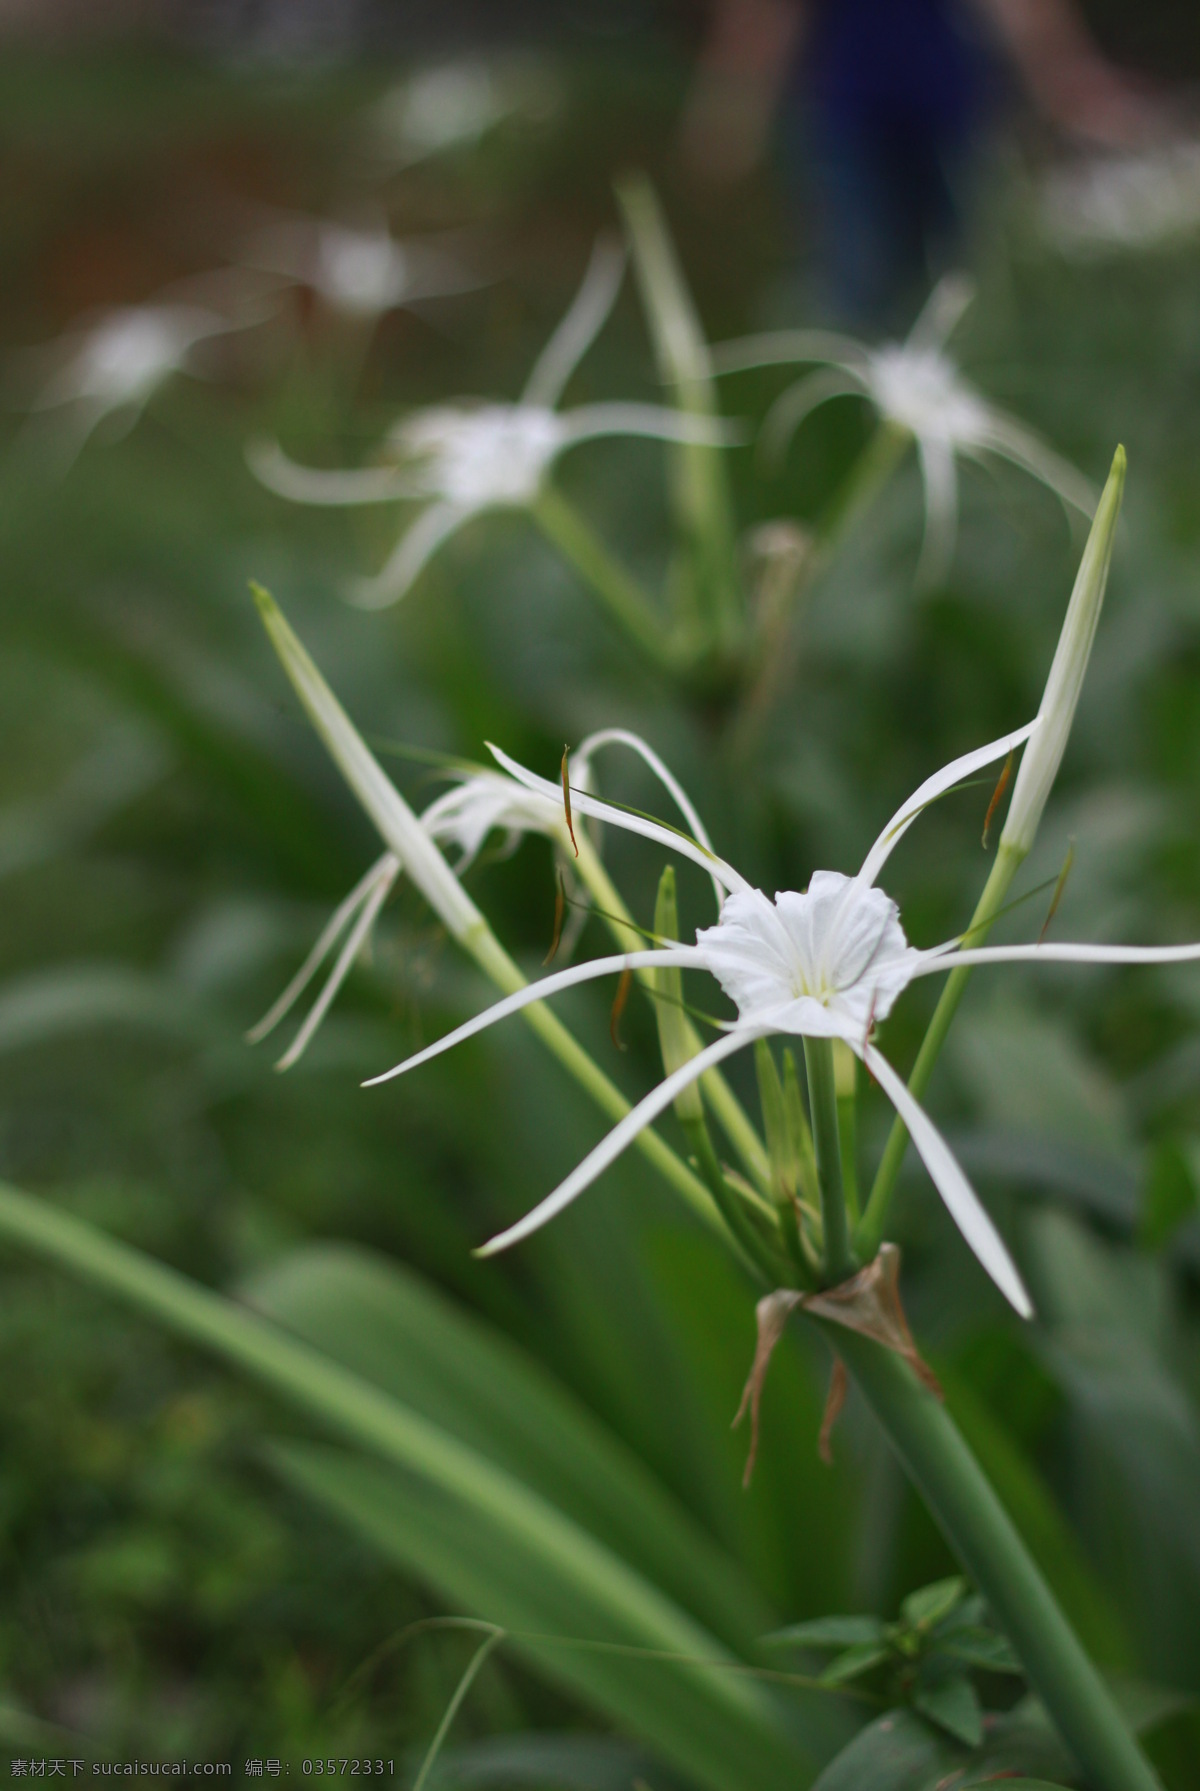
x,y
800,1144
770,1095
398,825
676,1040
1043,754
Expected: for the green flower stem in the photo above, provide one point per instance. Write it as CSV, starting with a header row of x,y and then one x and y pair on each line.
x,y
767,1264
728,1111
566,529
869,1233
822,1101
981,1534
777,647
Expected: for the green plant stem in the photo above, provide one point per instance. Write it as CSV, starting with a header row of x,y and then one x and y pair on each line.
x,y
455,1705
983,1537
822,1101
566,529
777,648
869,1232
768,1265
728,1111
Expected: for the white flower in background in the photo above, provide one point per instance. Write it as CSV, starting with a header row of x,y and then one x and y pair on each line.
x,y
359,272
455,105
459,460
479,803
828,962
117,364
915,386
1118,203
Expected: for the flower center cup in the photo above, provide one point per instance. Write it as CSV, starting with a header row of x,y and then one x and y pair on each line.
x,y
921,389
494,454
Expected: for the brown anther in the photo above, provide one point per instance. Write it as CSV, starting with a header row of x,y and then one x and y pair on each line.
x,y
1059,887
618,1006
997,797
566,784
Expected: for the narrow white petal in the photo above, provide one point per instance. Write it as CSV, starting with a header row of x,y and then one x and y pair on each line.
x,y
605,811
962,1202
930,790
416,548
330,934
620,1138
793,406
656,421
1013,441
780,347
940,479
316,485
686,956
1063,954
579,328
340,971
941,312
665,776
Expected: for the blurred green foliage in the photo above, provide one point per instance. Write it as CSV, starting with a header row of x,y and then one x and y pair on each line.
x,y
171,839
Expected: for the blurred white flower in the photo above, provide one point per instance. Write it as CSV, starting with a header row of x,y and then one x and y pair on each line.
x,y
828,962
915,386
1118,203
117,364
360,272
454,105
459,460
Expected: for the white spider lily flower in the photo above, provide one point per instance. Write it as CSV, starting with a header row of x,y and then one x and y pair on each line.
x,y
455,105
360,272
915,386
459,460
828,962
1115,203
478,803
121,361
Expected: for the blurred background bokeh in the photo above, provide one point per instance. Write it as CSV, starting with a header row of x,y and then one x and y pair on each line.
x,y
172,839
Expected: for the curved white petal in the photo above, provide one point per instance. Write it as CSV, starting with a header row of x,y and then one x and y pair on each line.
x,y
941,312
318,485
605,811
962,1202
665,776
930,790
779,347
1061,954
793,406
657,421
341,969
940,479
416,548
579,328
620,1138
685,956
1011,440
332,931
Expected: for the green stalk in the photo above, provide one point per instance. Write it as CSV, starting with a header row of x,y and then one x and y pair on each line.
x,y
869,1232
982,1536
822,1101
728,1111
566,529
767,1264
776,648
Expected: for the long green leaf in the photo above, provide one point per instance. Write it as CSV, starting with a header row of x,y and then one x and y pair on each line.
x,y
721,1728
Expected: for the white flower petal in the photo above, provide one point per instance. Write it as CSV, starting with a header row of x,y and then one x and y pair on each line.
x,y
416,548
318,485
604,811
332,931
581,758
1011,440
794,405
962,1202
620,1138
930,790
658,422
1054,953
579,328
779,347
940,481
341,969
684,956
941,312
